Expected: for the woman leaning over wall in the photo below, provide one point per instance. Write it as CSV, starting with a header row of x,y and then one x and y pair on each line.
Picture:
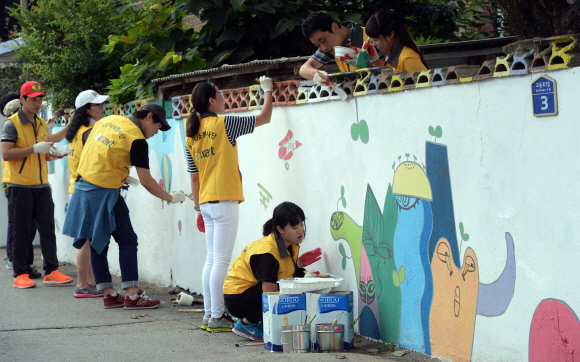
x,y
390,35
216,183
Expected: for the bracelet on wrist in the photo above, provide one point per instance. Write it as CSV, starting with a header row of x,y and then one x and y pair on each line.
x,y
196,208
267,92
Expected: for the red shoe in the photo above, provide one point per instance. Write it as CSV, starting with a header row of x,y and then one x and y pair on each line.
x,y
23,281
113,301
141,302
56,277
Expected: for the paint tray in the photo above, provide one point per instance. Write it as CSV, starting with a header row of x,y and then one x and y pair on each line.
x,y
303,285
60,150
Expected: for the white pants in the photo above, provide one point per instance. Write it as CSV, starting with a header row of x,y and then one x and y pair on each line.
x,y
221,227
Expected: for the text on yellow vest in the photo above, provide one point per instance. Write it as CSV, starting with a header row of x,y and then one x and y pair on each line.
x,y
216,161
75,149
106,157
241,277
30,170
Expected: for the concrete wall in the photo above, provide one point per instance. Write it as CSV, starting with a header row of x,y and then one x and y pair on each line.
x,y
462,246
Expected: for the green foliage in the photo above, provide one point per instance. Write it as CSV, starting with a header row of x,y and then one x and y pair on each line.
x,y
159,46
61,44
11,78
473,15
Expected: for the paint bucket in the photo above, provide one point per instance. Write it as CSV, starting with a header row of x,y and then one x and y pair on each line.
x,y
296,339
329,337
184,299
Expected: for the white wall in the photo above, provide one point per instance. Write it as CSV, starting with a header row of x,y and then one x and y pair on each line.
x,y
510,172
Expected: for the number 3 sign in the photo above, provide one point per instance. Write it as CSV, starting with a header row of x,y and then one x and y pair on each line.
x,y
545,97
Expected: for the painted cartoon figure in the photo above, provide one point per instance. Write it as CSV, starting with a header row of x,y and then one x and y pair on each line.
x,y
413,193
452,317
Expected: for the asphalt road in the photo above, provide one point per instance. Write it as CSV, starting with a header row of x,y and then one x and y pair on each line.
x,y
47,323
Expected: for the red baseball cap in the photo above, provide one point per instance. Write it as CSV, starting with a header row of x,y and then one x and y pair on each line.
x,y
32,89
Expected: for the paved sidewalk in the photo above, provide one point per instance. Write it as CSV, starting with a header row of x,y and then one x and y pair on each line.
x,y
47,323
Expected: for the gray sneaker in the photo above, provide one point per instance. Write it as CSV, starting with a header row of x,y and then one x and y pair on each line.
x,y
88,291
204,322
223,325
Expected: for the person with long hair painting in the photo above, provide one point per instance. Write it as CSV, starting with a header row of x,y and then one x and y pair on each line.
x,y
216,184
388,32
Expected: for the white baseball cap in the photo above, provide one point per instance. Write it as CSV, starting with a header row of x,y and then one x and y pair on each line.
x,y
90,96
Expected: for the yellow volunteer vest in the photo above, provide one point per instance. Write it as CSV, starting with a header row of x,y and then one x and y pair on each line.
x,y
106,158
241,277
345,67
216,161
31,170
408,53
75,149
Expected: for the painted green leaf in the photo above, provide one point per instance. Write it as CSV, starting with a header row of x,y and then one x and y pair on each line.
x,y
342,191
465,237
354,131
364,131
373,220
461,228
402,274
431,131
341,249
394,163
396,279
344,263
343,202
438,132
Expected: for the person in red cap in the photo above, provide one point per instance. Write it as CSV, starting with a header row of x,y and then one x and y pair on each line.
x,y
25,149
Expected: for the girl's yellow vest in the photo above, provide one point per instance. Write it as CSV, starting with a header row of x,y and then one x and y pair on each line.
x,y
30,170
414,66
345,67
75,149
216,161
106,157
241,277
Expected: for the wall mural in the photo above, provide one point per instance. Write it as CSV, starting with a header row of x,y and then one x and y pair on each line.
x,y
414,290
287,148
554,333
265,196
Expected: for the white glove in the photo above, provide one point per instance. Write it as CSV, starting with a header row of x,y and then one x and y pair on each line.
x,y
50,125
321,78
266,84
132,181
347,55
178,196
42,147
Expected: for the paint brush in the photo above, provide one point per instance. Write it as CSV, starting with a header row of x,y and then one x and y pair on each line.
x,y
285,319
249,344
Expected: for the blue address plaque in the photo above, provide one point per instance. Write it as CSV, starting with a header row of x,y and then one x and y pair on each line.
x,y
545,96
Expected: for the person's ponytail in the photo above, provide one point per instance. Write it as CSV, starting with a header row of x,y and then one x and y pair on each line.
x,y
268,228
200,100
192,124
